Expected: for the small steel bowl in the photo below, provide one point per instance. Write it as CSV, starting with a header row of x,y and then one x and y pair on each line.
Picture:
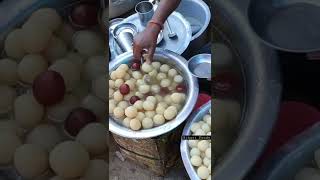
x,y
180,64
184,148
200,65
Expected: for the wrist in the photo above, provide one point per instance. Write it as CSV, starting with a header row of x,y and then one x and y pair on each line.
x,y
154,28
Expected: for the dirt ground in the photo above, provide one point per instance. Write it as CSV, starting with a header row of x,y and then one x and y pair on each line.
x,y
128,170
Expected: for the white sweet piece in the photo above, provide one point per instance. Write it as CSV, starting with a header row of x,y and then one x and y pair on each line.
x,y
147,123
195,152
205,128
66,32
144,89
200,132
56,49
163,104
27,111
158,119
203,145
178,79
150,114
131,84
164,68
165,83
161,76
125,67
47,17
96,67
148,105
111,92
69,72
95,105
203,172
30,67
195,127
138,104
156,65
118,112
113,75
136,75
88,43
117,96
99,88
123,104
193,143
172,73
140,116
8,72
146,67
111,84
135,124
13,46
9,142
160,110
159,98
69,159
131,112
118,83
176,98
196,160
167,99
120,73
170,113
112,105
208,152
45,135
93,138
152,99
126,122
35,38
153,73
155,88
206,161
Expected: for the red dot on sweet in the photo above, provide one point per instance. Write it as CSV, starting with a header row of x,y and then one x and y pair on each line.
x,y
135,66
133,99
49,88
124,89
78,119
180,88
84,15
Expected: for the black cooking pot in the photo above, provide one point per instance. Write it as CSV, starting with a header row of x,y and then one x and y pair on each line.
x,y
261,91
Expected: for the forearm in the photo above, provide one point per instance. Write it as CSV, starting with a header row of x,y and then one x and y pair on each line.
x,y
165,8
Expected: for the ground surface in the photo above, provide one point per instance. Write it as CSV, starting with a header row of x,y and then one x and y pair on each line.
x,y
128,170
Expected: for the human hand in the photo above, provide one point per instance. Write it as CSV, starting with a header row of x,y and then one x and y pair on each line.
x,y
146,40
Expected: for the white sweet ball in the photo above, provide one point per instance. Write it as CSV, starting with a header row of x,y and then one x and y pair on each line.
x,y
317,157
150,114
170,113
131,112
27,111
195,127
99,88
93,138
196,161
118,112
176,98
111,84
45,136
160,110
147,123
123,104
135,124
47,17
207,118
95,105
208,153
131,84
159,98
167,99
8,72
13,46
77,59
148,105
125,67
203,145
139,105
112,105
66,32
69,159
151,98
178,106
70,73
206,161
140,82
127,76
206,128
163,104
35,38
31,153
88,43
117,96
120,73
172,73
203,172
136,75
307,174
146,67
30,67
111,92
118,83
164,68
158,119
153,73
155,88
9,142
96,67
113,75
144,89
126,122
156,65
56,49
195,152
140,116
193,143
161,76
200,132
178,79
165,83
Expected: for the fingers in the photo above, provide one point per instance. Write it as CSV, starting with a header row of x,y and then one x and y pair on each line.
x,y
151,51
137,51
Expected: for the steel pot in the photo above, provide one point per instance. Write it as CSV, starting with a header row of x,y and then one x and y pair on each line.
x,y
262,91
180,64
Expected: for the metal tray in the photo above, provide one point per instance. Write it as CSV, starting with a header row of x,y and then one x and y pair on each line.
x,y
177,23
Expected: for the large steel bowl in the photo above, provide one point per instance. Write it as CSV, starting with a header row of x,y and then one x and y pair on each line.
x,y
184,148
262,91
180,64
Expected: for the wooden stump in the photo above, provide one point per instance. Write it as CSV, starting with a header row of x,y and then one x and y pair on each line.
x,y
157,154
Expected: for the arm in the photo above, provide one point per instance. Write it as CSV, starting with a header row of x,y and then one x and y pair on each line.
x,y
148,38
